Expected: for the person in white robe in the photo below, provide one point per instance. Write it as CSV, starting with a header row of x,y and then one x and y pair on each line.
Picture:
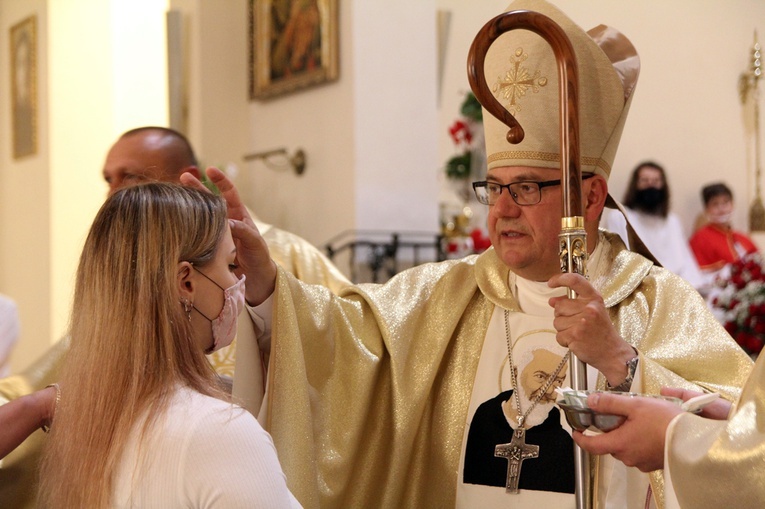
x,y
647,207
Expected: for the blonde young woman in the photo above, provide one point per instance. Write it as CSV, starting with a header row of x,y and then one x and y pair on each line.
x,y
143,421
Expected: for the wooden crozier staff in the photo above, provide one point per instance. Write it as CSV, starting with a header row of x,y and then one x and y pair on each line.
x,y
572,238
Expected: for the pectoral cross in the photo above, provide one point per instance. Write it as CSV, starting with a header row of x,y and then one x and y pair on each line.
x,y
515,452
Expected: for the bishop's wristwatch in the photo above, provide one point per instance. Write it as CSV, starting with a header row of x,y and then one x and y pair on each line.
x,y
627,383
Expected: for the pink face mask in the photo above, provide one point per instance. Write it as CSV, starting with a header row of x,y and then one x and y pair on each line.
x,y
224,326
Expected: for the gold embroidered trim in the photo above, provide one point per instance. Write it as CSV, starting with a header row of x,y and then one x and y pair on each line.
x,y
546,156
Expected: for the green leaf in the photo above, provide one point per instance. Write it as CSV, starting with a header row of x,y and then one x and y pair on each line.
x,y
471,108
458,167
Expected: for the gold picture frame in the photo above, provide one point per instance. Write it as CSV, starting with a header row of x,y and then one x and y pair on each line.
x,y
24,87
293,45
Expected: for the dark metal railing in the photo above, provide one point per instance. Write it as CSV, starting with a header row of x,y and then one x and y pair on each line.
x,y
384,253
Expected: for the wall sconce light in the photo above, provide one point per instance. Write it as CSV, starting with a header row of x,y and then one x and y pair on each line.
x,y
280,160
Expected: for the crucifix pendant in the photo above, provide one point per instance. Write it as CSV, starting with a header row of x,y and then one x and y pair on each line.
x,y
515,452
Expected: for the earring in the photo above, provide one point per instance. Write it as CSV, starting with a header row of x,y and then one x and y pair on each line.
x,y
187,306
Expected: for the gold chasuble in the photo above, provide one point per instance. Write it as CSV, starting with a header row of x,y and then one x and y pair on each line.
x,y
722,463
369,390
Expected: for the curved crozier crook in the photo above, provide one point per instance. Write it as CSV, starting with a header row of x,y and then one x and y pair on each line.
x,y
477,77
568,93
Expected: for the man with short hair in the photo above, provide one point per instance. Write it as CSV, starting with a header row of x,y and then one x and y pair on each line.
x,y
148,154
371,393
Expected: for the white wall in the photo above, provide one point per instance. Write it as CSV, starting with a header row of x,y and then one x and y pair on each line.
x,y
219,119
75,194
25,190
105,75
394,72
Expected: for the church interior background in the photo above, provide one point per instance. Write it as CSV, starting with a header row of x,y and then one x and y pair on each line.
x,y
378,140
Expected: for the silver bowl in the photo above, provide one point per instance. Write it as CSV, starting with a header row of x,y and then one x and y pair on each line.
x,y
580,416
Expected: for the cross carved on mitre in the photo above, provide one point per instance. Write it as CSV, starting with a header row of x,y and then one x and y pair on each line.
x,y
517,81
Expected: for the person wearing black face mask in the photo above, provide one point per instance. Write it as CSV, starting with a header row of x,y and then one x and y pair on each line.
x,y
646,203
652,200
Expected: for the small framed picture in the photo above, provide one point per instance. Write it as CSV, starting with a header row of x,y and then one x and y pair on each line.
x,y
24,87
293,45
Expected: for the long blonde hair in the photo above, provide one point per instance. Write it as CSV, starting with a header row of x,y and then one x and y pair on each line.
x,y
130,339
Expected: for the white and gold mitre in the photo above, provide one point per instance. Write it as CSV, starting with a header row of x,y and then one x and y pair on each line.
x,y
521,70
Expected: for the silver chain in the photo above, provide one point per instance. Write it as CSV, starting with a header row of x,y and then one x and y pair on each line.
x,y
514,376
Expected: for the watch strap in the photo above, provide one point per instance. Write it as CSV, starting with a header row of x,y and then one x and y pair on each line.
x,y
627,383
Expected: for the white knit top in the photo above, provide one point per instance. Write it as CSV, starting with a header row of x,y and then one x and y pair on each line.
x,y
204,453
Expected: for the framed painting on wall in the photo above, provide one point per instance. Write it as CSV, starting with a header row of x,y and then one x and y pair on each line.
x,y
24,87
293,45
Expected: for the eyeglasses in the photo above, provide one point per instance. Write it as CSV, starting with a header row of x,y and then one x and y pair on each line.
x,y
525,192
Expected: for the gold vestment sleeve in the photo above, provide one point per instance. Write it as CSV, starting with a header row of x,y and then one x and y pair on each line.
x,y
722,463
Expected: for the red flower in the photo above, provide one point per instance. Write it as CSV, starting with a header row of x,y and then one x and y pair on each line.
x,y
743,302
481,242
460,133
751,343
742,338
